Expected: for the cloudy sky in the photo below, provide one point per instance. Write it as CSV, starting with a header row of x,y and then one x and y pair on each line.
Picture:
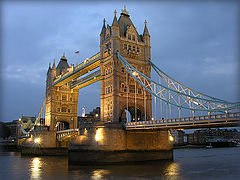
x,y
196,43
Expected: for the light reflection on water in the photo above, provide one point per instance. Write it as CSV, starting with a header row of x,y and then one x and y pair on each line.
x,y
35,168
220,163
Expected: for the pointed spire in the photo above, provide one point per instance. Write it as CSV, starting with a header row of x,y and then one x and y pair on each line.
x,y
115,22
124,11
104,27
54,65
145,32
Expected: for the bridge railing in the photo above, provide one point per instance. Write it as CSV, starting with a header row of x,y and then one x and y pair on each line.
x,y
185,119
65,133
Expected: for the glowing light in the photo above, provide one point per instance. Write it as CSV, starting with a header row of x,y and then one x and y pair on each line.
x,y
171,138
85,131
96,115
99,135
135,73
37,140
152,118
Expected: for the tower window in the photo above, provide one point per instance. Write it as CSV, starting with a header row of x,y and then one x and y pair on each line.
x,y
69,110
64,98
58,109
64,109
138,50
125,46
129,47
129,37
70,99
139,91
134,48
133,38
123,70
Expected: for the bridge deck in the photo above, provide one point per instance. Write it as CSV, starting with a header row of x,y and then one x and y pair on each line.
x,y
92,78
232,119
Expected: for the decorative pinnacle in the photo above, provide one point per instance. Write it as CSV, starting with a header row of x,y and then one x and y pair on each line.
x,y
145,22
104,20
115,12
124,11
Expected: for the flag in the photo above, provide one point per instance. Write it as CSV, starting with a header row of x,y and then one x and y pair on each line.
x,y
77,52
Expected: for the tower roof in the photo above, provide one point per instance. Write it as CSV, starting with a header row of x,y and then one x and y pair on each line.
x,y
62,65
115,22
54,65
145,32
124,22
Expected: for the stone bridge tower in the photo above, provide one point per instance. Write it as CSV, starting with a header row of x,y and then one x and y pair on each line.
x,y
61,102
119,92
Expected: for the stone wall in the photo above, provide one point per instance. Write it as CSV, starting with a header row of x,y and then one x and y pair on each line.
x,y
115,139
116,145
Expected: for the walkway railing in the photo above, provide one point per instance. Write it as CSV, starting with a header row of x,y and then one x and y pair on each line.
x,y
66,133
187,121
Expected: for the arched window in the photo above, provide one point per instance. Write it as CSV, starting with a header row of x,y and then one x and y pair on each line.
x,y
133,37
129,37
64,97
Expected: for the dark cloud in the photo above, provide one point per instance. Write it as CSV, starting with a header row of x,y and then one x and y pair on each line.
x,y
196,43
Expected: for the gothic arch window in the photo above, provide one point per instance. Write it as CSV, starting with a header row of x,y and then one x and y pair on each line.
x,y
129,37
64,97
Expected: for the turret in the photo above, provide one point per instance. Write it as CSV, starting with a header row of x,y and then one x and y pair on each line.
x,y
146,39
54,70
146,36
103,32
115,29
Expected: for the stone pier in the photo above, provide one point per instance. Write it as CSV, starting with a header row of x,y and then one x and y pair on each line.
x,y
109,144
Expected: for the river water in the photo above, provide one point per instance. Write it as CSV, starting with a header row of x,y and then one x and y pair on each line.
x,y
216,163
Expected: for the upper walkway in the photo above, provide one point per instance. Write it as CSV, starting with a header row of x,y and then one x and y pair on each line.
x,y
83,68
219,120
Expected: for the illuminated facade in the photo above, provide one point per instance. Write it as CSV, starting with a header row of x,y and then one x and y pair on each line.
x,y
119,92
61,102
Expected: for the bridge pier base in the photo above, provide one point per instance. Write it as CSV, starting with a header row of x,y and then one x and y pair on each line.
x,y
42,143
110,144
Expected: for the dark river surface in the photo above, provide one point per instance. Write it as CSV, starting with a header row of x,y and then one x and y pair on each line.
x,y
216,163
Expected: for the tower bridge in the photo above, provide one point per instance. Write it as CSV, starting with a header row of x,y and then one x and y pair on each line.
x,y
130,98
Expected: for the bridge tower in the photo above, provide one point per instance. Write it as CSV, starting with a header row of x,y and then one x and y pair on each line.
x,y
119,92
61,101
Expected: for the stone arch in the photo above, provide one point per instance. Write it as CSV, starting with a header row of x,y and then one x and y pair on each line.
x,y
138,112
62,125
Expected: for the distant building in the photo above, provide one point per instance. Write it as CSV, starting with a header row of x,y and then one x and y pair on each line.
x,y
201,136
92,117
13,127
180,138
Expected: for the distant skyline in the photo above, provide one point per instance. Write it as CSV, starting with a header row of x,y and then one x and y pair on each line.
x,y
196,43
